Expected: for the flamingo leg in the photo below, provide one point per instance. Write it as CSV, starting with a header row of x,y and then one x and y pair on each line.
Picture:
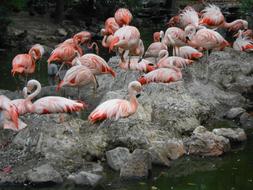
x,y
207,68
57,74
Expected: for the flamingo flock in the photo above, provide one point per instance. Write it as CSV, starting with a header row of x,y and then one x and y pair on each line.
x,y
189,33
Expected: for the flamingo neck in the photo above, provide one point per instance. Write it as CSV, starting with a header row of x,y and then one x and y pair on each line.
x,y
133,102
164,57
36,92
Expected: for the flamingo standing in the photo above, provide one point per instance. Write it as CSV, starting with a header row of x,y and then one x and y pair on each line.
x,y
209,40
25,63
166,62
174,37
95,63
188,52
78,75
111,26
154,48
117,108
123,16
127,38
243,43
163,75
136,65
64,54
51,104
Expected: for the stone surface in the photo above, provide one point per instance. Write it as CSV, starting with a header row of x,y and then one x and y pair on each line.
x,y
234,113
137,166
163,151
44,174
117,157
206,143
234,135
246,120
85,178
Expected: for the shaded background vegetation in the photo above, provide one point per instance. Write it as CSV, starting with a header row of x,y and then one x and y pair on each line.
x,y
85,10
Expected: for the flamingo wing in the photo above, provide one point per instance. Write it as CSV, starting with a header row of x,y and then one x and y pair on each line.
x,y
55,104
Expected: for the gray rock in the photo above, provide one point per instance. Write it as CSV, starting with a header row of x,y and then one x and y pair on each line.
x,y
234,113
44,174
93,167
234,135
62,32
246,120
85,178
117,157
137,166
163,151
206,143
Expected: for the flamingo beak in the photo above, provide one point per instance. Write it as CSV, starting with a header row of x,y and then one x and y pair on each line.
x,y
114,41
138,95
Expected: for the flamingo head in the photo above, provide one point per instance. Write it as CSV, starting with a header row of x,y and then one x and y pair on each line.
x,y
17,69
173,21
82,37
156,37
134,88
245,24
150,67
142,80
114,41
30,86
190,31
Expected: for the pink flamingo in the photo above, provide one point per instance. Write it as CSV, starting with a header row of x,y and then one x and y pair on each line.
x,y
95,63
127,38
188,52
154,48
64,54
189,17
246,33
117,108
123,16
207,39
9,115
174,37
166,62
243,43
212,17
25,63
111,26
163,75
83,37
51,104
136,65
78,75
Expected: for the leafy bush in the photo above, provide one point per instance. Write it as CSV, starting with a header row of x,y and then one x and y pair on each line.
x,y
246,6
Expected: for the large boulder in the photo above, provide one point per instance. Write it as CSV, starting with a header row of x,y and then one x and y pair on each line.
x,y
44,174
234,135
85,178
137,166
234,113
205,143
117,157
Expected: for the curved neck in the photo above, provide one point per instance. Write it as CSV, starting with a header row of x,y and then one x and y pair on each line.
x,y
133,102
164,57
104,42
36,92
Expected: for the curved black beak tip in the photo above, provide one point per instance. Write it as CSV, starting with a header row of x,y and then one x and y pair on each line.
x,y
138,95
187,38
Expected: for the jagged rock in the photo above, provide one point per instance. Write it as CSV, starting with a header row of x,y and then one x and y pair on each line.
x,y
234,135
85,178
62,32
137,166
117,157
44,174
206,143
234,113
93,167
246,120
163,151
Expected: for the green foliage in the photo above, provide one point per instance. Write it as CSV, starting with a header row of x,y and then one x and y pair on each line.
x,y
16,5
246,6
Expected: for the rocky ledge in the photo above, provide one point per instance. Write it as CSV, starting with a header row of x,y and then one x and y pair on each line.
x,y
171,121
